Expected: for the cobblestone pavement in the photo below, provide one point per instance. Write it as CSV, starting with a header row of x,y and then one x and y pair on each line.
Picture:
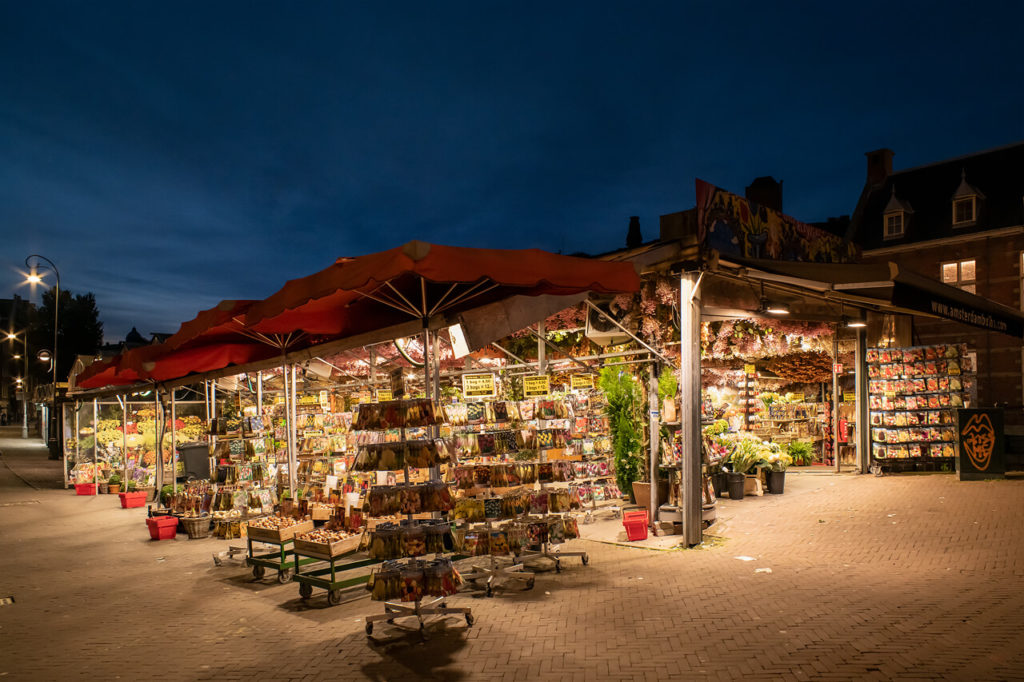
x,y
914,577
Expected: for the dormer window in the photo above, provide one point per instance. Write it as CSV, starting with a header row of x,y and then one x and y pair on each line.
x,y
963,211
894,225
895,216
965,203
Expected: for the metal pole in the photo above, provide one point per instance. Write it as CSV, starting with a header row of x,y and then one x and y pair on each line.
x,y
861,388
293,457
689,412
24,386
124,439
78,439
835,399
174,446
542,359
158,444
95,421
655,426
63,440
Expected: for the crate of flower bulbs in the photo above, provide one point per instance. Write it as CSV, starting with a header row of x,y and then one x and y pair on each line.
x,y
327,543
278,528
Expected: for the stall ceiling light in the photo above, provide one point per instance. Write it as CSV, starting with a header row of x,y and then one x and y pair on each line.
x,y
855,323
776,308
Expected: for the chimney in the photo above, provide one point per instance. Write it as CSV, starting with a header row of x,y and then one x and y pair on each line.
x,y
765,191
633,237
879,165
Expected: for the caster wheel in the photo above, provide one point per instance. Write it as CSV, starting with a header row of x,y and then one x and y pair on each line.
x,y
334,597
490,591
529,584
369,629
258,572
470,619
391,621
444,605
558,566
305,591
586,559
284,576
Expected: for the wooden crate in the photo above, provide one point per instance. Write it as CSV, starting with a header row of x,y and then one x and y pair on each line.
x,y
280,535
325,551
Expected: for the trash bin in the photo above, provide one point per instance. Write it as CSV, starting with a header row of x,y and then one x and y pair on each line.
x,y
195,458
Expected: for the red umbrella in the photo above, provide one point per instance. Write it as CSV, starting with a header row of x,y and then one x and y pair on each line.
x,y
421,280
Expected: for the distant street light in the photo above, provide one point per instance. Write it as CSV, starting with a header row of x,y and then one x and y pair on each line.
x,y
22,384
35,278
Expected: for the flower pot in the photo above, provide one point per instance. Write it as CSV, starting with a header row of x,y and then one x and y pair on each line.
x,y
776,482
114,488
642,494
103,488
162,527
720,482
736,484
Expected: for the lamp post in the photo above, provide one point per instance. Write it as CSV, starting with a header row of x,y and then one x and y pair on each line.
x,y
22,382
34,278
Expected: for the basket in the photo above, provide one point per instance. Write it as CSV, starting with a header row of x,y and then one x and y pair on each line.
x,y
132,500
279,535
636,525
197,527
335,549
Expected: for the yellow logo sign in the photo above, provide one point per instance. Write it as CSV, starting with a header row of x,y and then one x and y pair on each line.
x,y
979,438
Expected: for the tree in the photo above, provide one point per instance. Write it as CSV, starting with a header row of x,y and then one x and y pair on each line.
x,y
80,331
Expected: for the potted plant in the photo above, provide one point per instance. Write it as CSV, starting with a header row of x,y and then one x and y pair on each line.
x,y
800,452
776,463
747,454
114,484
717,448
624,402
165,494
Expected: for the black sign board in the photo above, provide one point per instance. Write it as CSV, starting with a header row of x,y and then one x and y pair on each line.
x,y
934,303
980,445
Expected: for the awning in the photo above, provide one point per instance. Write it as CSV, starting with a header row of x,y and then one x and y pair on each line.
x,y
888,286
420,280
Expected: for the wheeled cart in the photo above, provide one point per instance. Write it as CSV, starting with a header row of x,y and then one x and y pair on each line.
x,y
324,574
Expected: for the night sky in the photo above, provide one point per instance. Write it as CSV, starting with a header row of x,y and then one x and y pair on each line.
x,y
170,155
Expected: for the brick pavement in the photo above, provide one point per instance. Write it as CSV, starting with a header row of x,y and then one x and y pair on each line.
x,y
915,577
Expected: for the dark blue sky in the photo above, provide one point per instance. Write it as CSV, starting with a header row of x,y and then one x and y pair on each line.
x,y
169,155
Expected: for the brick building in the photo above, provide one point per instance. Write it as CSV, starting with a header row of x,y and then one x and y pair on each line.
x,y
960,221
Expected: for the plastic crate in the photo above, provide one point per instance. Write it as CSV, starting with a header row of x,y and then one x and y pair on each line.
x,y
85,488
635,523
132,500
162,527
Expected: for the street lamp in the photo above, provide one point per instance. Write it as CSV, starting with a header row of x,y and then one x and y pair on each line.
x,y
35,278
20,383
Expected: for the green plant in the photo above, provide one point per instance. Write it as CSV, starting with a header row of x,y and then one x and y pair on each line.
x,y
749,452
131,486
776,459
165,494
801,452
624,402
115,479
668,384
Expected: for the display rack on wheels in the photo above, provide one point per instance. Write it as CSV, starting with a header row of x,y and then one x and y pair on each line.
x,y
282,537
328,558
409,585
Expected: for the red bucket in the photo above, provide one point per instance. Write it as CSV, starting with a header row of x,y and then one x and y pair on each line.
x,y
162,527
131,500
85,488
636,525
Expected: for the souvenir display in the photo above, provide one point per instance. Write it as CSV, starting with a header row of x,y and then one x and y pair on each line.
x,y
912,393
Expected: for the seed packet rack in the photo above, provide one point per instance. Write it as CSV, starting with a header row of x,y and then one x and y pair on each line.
x,y
411,586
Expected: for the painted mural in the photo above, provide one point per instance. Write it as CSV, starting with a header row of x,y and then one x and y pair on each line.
x,y
733,225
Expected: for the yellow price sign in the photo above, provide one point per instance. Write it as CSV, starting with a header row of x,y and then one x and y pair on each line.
x,y
536,386
478,386
579,382
384,395
750,369
849,397
796,398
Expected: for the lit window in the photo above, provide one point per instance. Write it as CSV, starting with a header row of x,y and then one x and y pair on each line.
x,y
961,274
893,225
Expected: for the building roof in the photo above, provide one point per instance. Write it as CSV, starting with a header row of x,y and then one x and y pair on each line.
x,y
996,176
